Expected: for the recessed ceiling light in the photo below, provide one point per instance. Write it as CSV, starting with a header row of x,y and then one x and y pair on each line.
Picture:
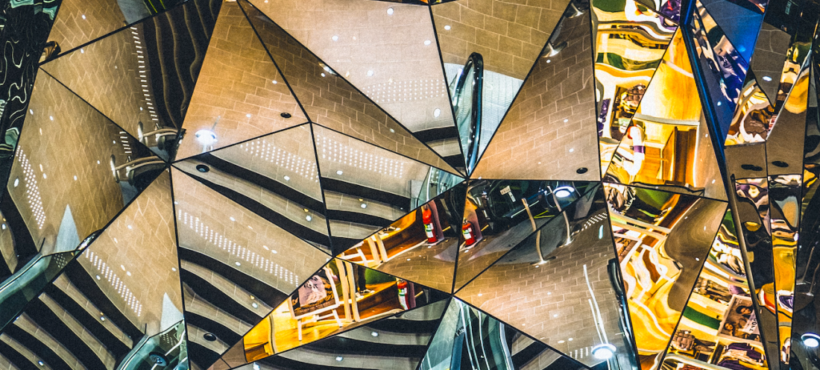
x,y
364,205
340,358
335,38
238,264
274,82
308,218
323,75
287,178
374,334
389,12
426,42
603,351
447,27
767,78
370,72
83,16
339,172
437,112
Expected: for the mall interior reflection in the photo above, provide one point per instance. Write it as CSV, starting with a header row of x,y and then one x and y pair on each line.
x,y
409,184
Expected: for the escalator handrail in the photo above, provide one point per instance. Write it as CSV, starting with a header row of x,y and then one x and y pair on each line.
x,y
475,61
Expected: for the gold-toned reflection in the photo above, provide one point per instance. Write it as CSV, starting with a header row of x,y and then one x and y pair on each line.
x,y
784,215
629,44
338,297
667,142
754,117
719,326
421,246
661,239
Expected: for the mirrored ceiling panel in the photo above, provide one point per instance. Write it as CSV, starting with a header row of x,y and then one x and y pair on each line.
x,y
661,240
718,329
740,20
221,239
119,302
340,296
495,43
422,246
499,214
548,132
387,51
367,188
70,177
142,77
274,176
395,342
329,100
565,264
769,54
630,40
784,149
666,146
81,21
239,94
469,338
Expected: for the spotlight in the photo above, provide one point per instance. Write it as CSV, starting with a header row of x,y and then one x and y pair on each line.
x,y
563,192
603,351
810,340
205,137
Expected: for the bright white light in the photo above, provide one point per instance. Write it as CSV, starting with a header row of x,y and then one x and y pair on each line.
x,y
340,358
767,78
447,27
308,218
287,178
426,42
374,334
370,72
364,205
16,182
810,340
389,12
274,82
205,137
83,16
339,172
563,192
335,38
255,366
323,75
437,112
603,351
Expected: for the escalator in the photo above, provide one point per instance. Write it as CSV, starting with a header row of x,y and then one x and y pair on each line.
x,y
466,90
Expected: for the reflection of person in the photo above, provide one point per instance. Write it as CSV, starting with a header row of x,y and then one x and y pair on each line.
x,y
743,352
361,282
684,340
624,200
312,290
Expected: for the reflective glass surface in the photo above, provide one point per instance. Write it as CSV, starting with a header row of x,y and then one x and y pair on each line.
x,y
409,184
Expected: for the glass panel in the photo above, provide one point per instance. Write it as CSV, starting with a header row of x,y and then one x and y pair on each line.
x,y
718,329
421,246
499,214
331,101
361,40
563,265
338,297
396,342
754,116
367,188
81,21
470,339
142,76
547,134
236,265
240,93
666,146
630,40
769,54
274,176
661,240
784,149
753,210
72,173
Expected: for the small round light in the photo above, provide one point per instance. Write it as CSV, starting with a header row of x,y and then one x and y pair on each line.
x,y
436,112
374,334
16,182
308,218
767,78
427,42
335,38
205,137
389,12
339,172
603,351
40,363
202,168
447,27
340,358
287,178
370,72
810,340
364,205
562,193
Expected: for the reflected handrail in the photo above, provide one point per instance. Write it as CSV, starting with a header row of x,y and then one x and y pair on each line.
x,y
468,113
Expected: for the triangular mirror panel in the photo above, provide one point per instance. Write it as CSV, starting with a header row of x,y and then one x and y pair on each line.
x,y
661,240
239,94
364,40
499,214
274,176
340,296
421,246
667,145
142,77
548,132
367,188
82,21
328,99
